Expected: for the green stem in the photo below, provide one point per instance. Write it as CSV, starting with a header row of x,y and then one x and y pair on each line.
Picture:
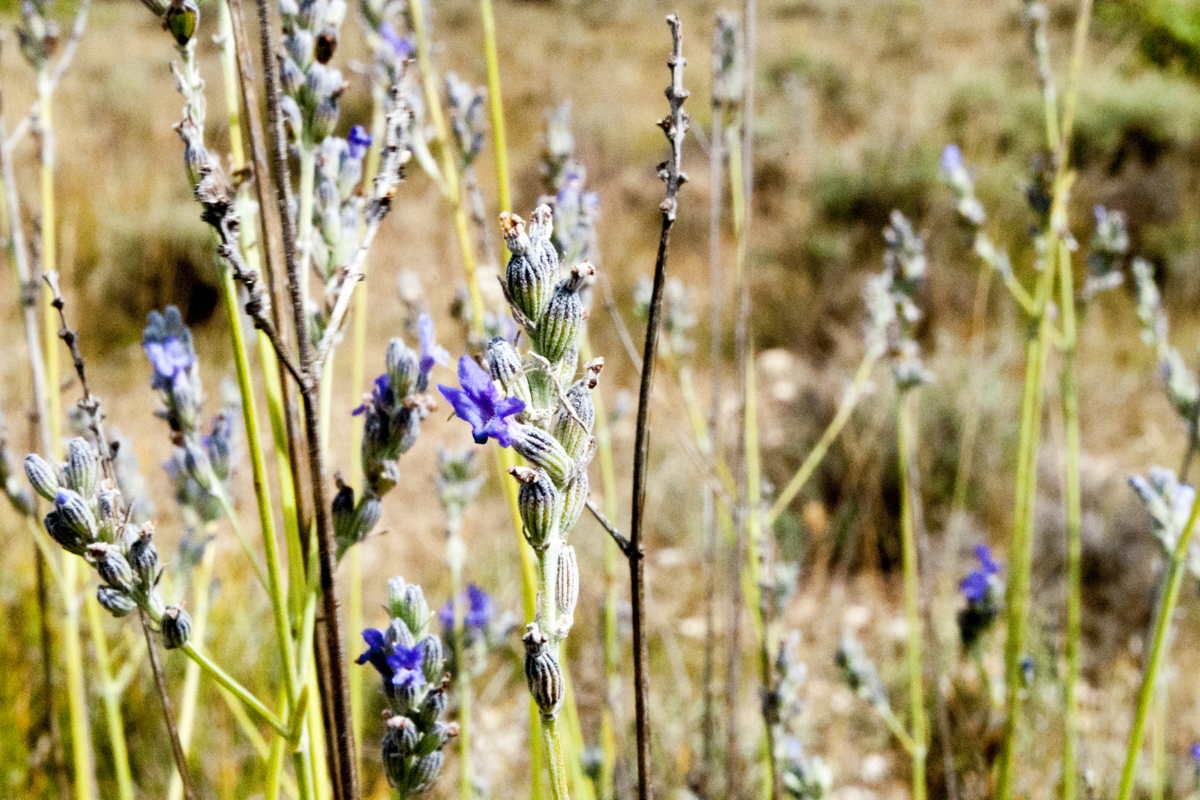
x,y
1073,501
495,105
231,685
191,678
558,770
1173,582
850,400
912,589
110,693
82,763
304,224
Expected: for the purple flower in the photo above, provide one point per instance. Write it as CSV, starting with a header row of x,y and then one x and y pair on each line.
x,y
377,652
381,395
479,610
169,358
978,583
952,160
402,46
359,140
396,664
431,352
405,663
1194,752
481,404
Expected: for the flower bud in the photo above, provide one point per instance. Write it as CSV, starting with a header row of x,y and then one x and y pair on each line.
x,y
559,328
73,512
425,772
181,19
42,476
403,367
143,556
436,738
402,736
399,634
433,706
195,459
574,501
291,77
82,470
573,422
541,249
115,601
406,602
504,364
526,285
176,627
112,510
544,451
566,580
112,565
540,505
542,672
66,537
324,87
433,658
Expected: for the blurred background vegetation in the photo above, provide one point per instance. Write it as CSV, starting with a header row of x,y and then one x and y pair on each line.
x,y
856,101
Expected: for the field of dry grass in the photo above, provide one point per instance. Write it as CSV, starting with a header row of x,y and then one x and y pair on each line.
x,y
856,102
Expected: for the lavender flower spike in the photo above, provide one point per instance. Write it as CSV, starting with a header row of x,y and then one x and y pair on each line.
x,y
480,403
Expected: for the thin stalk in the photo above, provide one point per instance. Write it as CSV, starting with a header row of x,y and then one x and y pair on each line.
x,y
1073,501
82,762
237,690
110,695
558,769
11,225
164,698
495,104
547,617
1173,582
912,590
201,578
304,222
755,561
850,400
462,683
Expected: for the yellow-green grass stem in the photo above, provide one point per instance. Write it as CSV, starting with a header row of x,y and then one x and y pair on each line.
x,y
110,694
1172,584
201,580
1069,398
276,586
912,590
816,455
82,760
754,563
495,104
547,617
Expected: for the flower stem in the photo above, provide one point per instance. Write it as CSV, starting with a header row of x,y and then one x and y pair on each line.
x,y
110,694
201,579
231,685
912,589
495,104
558,769
1073,502
1172,582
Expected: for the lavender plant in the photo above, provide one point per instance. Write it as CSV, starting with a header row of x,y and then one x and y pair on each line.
x,y
532,402
392,416
982,591
411,663
803,776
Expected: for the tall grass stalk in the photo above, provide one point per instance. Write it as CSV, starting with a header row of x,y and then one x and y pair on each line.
x,y
110,695
905,442
495,106
1172,583
1017,600
201,580
82,760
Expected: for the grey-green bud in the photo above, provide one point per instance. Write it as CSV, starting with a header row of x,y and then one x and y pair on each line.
x,y
527,285
403,367
574,501
406,601
73,511
66,536
143,556
115,601
82,469
425,771
42,476
433,658
544,451
559,328
176,627
542,672
504,364
539,503
112,565
573,421
566,585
